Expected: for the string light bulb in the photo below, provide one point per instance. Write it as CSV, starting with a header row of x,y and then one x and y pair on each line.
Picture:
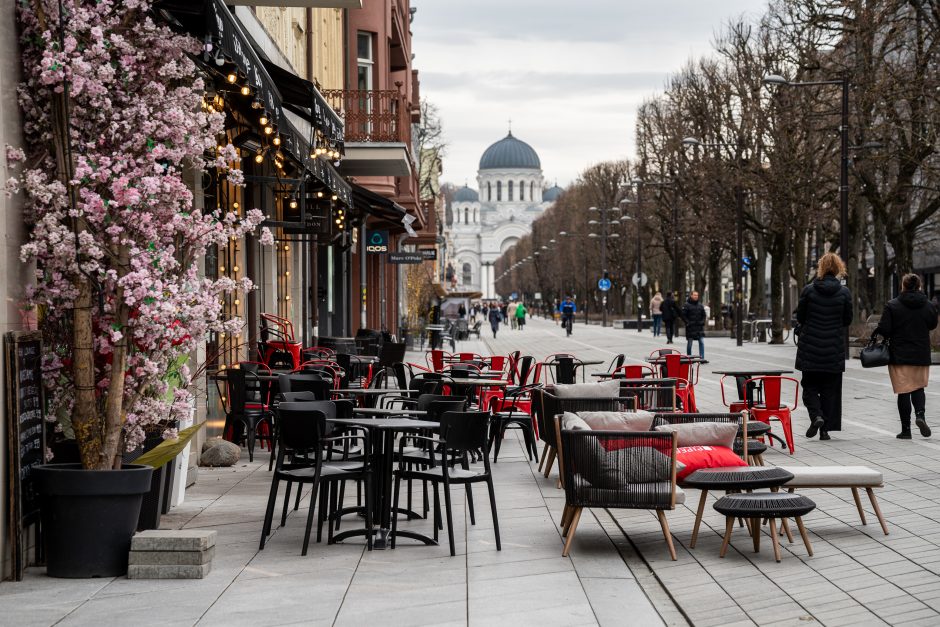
x,y
246,91
319,194
334,197
235,205
263,120
287,273
232,77
268,130
221,268
259,158
237,302
286,247
293,203
287,297
276,141
235,269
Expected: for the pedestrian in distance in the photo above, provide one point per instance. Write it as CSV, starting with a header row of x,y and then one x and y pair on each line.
x,y
694,316
906,324
495,317
461,311
511,314
670,311
520,315
656,311
823,313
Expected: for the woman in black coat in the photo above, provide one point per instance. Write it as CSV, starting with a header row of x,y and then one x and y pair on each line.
x,y
906,323
495,316
824,312
693,314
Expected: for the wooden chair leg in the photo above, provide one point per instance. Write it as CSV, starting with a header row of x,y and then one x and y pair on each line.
x,y
698,518
549,462
809,547
729,527
665,525
565,517
785,526
544,455
755,533
773,537
858,505
874,505
575,517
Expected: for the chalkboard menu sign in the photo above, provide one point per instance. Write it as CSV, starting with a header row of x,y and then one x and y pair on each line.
x,y
26,446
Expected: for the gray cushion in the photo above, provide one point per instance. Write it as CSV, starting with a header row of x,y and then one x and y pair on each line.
x,y
704,433
618,420
605,389
574,422
833,476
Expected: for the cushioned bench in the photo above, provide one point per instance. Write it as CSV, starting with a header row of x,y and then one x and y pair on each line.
x,y
853,477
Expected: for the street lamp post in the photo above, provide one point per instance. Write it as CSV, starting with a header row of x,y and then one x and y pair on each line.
x,y
603,236
843,82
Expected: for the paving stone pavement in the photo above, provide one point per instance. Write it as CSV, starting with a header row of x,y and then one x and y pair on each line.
x,y
619,571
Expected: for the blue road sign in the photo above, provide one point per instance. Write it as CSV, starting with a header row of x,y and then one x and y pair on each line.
x,y
603,285
746,262
514,296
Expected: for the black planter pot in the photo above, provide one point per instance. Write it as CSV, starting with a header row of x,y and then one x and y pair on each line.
x,y
89,517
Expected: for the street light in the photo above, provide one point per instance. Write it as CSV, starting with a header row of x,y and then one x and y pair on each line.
x,y
604,235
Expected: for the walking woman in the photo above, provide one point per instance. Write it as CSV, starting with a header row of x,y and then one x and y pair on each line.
x,y
495,316
824,311
656,311
906,323
670,311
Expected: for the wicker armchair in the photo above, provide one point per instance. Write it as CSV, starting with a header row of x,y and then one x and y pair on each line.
x,y
545,406
739,418
617,470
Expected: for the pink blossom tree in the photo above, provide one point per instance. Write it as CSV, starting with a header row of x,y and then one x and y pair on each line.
x,y
115,124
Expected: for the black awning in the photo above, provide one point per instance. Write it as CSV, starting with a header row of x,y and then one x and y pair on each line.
x,y
303,98
294,143
377,205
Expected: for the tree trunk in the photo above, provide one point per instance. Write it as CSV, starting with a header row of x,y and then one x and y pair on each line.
x,y
714,282
881,264
777,271
85,421
758,269
114,407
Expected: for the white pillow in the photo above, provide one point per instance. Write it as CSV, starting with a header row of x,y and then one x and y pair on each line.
x,y
704,433
618,420
605,389
573,422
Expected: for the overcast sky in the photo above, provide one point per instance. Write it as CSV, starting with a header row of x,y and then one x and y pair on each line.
x,y
569,73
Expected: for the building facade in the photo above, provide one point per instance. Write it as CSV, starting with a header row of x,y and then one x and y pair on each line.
x,y
487,221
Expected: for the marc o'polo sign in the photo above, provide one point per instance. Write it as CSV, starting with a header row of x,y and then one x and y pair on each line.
x,y
377,242
405,258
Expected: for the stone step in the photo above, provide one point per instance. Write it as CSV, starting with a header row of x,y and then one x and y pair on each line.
x,y
168,571
166,558
173,540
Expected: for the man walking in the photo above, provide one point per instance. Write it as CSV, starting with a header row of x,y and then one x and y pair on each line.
x,y
670,312
693,313
511,314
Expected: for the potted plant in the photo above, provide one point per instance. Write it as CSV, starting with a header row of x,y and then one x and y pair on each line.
x,y
115,125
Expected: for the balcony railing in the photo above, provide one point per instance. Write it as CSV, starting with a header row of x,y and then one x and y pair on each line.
x,y
379,115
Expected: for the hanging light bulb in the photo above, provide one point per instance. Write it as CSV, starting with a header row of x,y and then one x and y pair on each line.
x,y
277,140
256,104
319,194
287,273
259,158
286,246
293,203
221,268
263,120
268,130
232,77
235,269
237,302
235,205
246,90
287,297
334,197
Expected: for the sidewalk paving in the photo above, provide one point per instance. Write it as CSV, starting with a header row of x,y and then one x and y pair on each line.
x,y
619,571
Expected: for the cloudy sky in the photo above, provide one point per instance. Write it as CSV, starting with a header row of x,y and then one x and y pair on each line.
x,y
569,73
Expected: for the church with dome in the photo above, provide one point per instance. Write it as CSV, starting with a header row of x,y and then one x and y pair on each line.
x,y
487,221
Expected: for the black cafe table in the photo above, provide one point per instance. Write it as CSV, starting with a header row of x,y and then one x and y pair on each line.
x,y
383,431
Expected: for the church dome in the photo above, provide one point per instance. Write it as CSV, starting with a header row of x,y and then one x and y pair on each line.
x,y
552,193
466,194
509,153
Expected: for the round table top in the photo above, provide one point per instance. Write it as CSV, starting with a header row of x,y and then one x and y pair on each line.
x,y
755,428
764,505
738,478
753,372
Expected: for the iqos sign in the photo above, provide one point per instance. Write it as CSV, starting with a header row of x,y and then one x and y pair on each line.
x,y
377,242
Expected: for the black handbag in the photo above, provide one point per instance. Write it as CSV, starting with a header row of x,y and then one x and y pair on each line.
x,y
875,354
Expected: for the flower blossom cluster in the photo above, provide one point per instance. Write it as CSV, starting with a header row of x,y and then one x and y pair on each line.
x,y
124,217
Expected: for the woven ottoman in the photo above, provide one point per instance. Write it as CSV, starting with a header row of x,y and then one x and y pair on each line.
x,y
760,505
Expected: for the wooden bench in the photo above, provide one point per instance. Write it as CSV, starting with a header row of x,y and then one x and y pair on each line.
x,y
853,477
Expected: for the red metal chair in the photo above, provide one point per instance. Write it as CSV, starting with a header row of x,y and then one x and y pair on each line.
x,y
772,408
676,369
470,357
636,371
497,362
435,359
738,405
662,352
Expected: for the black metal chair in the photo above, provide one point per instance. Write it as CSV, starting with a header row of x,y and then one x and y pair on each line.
x,y
240,413
511,415
460,434
306,382
302,432
616,363
640,476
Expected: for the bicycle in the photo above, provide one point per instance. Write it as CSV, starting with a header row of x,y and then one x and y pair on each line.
x,y
568,324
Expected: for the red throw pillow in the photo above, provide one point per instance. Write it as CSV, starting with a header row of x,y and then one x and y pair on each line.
x,y
699,457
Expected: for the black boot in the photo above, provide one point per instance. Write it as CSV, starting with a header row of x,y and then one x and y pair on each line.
x,y
824,435
817,423
905,430
921,423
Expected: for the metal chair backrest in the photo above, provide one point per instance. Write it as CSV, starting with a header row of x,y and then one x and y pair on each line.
x,y
239,384
306,383
391,353
466,431
281,360
771,388
662,352
497,362
425,400
524,369
300,427
401,375
617,363
636,371
564,370
438,408
297,397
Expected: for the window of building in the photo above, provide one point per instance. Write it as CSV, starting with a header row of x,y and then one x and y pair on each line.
x,y
499,191
510,191
467,274
521,190
489,191
466,215
532,191
364,61
474,216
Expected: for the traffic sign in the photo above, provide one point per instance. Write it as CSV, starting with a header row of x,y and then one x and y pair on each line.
x,y
746,262
603,285
640,279
514,296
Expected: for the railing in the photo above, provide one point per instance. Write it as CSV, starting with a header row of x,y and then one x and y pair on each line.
x,y
379,115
